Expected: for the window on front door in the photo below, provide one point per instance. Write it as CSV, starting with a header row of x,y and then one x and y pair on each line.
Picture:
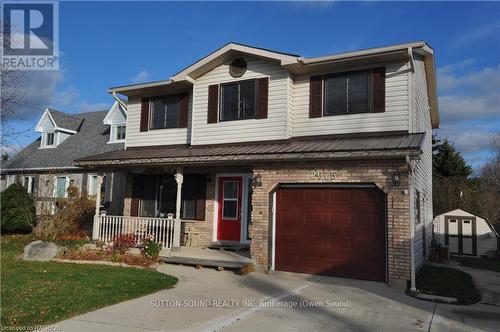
x,y
238,101
230,201
164,112
347,93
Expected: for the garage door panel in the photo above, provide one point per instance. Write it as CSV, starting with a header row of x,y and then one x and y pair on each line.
x,y
331,231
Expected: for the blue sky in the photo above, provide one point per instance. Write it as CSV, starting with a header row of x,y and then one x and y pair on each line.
x,y
105,44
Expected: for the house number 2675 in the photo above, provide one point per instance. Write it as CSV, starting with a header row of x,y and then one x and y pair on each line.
x,y
324,174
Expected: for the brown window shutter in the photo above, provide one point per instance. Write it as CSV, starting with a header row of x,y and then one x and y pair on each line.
x,y
201,197
378,90
136,196
262,97
316,97
145,114
213,103
183,110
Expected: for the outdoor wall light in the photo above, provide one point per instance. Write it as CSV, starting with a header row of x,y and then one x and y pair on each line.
x,y
396,178
257,181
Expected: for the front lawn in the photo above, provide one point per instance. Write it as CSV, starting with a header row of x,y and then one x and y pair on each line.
x,y
481,263
444,281
39,293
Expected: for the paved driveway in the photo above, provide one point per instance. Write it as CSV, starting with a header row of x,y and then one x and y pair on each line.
x,y
208,300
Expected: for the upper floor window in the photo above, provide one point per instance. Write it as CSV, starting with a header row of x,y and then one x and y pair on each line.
x,y
164,112
361,91
49,139
120,133
238,101
347,93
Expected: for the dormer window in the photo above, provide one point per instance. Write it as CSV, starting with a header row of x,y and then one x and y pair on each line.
x,y
49,139
120,133
116,119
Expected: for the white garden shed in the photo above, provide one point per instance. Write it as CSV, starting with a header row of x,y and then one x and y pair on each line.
x,y
465,233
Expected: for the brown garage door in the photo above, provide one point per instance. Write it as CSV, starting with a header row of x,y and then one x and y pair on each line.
x,y
331,231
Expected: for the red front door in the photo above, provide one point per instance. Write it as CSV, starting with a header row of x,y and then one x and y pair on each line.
x,y
229,222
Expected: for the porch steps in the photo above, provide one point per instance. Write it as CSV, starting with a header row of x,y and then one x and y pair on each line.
x,y
238,267
229,246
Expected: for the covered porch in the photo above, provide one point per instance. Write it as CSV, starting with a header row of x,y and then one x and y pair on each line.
x,y
180,206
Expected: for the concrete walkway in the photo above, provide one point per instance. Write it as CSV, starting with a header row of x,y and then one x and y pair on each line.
x,y
487,283
209,300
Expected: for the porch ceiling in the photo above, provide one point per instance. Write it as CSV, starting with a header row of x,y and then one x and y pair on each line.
x,y
303,148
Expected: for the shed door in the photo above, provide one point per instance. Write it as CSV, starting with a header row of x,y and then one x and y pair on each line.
x,y
331,231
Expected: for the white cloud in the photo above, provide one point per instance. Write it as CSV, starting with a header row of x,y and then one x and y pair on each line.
x,y
142,76
481,32
470,107
452,67
470,96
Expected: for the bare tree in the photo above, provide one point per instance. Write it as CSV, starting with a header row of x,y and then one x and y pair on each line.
x,y
11,100
490,172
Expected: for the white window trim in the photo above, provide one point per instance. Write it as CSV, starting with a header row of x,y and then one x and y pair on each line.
x,y
31,178
90,186
65,188
112,133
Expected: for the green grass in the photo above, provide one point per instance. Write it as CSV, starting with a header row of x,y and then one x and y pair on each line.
x,y
35,293
444,281
481,263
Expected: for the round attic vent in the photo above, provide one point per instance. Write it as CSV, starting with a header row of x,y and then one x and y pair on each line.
x,y
238,67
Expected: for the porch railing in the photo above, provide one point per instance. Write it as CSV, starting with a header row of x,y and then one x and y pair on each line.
x,y
106,228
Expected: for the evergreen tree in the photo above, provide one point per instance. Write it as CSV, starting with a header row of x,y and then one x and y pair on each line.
x,y
447,161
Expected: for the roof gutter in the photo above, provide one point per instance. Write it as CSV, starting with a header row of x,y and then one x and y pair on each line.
x,y
10,170
362,54
125,88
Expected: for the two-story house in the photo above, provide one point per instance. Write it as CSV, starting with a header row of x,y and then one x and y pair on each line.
x,y
45,167
321,165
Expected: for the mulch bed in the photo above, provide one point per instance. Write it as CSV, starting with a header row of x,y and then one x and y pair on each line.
x,y
103,255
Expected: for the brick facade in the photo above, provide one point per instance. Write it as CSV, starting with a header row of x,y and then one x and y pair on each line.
x,y
379,172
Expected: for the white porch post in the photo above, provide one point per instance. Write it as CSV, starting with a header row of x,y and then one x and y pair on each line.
x,y
97,226
179,177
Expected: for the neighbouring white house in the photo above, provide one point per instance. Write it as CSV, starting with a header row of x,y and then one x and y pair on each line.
x,y
465,233
45,167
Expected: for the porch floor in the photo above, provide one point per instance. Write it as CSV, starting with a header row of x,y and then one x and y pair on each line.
x,y
220,259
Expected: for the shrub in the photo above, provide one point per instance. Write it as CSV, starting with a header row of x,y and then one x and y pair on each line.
x,y
70,219
17,210
151,248
123,242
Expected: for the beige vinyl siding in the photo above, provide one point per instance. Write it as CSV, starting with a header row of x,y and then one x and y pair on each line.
x,y
170,136
393,119
422,177
47,125
249,130
486,240
291,98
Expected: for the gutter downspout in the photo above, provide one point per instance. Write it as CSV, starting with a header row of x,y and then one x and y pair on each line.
x,y
413,286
